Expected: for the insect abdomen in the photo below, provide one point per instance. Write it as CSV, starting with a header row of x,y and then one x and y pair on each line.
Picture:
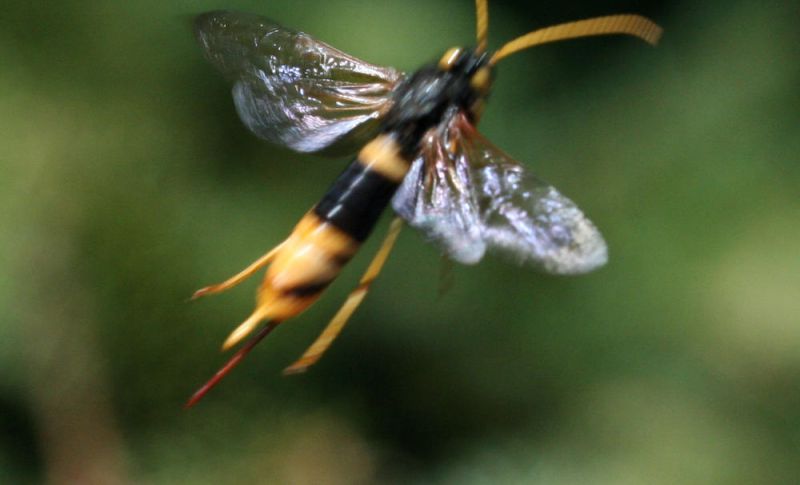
x,y
357,198
307,262
330,234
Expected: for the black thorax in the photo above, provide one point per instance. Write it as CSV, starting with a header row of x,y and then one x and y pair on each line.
x,y
421,100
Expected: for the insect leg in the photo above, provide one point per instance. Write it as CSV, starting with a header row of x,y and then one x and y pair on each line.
x,y
241,276
326,338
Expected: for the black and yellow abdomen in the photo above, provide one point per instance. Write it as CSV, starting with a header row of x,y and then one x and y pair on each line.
x,y
330,234
357,198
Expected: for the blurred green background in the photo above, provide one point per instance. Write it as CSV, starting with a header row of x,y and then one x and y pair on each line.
x,y
127,182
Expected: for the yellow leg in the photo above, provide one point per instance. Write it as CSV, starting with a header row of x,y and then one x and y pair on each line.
x,y
321,344
241,276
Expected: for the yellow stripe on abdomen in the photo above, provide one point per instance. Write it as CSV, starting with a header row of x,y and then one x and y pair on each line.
x,y
309,260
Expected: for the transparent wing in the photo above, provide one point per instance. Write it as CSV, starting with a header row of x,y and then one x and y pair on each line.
x,y
528,219
469,197
291,89
437,199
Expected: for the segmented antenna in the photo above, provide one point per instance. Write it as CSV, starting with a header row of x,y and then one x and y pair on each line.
x,y
482,29
634,25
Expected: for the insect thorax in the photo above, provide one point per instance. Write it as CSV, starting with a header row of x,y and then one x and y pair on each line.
x,y
461,79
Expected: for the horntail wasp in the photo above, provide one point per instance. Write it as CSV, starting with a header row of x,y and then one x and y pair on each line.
x,y
419,151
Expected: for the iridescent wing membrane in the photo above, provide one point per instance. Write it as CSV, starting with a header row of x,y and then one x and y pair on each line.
x,y
293,90
469,197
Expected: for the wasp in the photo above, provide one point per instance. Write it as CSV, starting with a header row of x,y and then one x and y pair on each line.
x,y
418,149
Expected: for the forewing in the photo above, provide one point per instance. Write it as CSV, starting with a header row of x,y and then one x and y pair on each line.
x,y
293,90
468,196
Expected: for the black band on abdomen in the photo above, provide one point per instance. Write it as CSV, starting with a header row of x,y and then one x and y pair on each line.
x,y
356,200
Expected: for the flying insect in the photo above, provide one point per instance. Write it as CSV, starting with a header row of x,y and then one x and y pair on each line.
x,y
418,149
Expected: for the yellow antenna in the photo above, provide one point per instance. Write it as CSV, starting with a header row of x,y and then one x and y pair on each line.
x,y
634,25
482,30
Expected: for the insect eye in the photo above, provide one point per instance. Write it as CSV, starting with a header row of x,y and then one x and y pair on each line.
x,y
481,79
450,58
